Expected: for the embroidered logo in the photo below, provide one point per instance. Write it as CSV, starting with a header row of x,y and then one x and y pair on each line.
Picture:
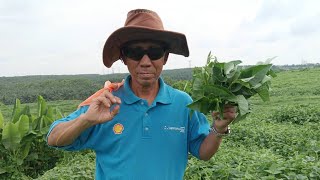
x,y
178,129
118,128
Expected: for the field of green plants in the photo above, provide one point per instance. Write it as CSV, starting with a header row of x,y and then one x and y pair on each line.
x,y
280,139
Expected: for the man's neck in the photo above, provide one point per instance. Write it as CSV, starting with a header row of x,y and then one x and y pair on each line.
x,y
148,93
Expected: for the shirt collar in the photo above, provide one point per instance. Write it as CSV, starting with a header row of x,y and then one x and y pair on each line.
x,y
163,96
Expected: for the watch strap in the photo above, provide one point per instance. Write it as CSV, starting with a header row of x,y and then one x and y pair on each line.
x,y
214,130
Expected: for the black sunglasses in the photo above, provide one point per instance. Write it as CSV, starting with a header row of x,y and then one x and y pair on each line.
x,y
136,53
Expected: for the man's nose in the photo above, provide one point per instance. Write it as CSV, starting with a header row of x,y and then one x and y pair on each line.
x,y
145,60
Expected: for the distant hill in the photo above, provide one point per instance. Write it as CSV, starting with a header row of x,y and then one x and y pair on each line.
x,y
68,87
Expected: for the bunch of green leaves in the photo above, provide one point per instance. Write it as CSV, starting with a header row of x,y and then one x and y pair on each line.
x,y
220,83
22,140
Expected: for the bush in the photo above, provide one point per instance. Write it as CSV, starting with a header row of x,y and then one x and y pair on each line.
x,y
259,164
298,114
74,165
24,152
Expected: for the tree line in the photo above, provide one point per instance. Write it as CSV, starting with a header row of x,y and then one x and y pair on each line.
x,y
67,87
79,87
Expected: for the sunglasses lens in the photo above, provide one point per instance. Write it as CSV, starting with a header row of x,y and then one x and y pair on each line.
x,y
154,53
133,53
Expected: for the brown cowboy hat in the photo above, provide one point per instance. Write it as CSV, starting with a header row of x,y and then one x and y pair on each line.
x,y
143,24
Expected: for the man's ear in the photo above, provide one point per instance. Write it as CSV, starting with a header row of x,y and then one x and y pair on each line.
x,y
166,56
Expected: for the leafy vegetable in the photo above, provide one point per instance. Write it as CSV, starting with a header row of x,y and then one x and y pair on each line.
x,y
220,83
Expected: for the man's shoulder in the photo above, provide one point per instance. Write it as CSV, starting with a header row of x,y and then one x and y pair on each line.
x,y
181,95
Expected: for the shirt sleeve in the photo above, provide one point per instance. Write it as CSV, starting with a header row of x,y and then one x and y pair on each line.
x,y
198,130
83,141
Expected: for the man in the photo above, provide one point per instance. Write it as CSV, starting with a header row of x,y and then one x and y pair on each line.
x,y
143,130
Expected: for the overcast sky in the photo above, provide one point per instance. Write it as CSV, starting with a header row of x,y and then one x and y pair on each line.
x,y
42,37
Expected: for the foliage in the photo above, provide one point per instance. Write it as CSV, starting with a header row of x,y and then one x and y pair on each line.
x,y
259,147
243,163
183,86
66,169
297,113
218,84
50,89
297,83
66,87
79,87
24,152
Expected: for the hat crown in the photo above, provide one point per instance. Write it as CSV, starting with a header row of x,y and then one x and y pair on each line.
x,y
144,18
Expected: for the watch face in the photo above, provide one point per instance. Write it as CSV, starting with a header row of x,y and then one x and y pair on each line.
x,y
228,131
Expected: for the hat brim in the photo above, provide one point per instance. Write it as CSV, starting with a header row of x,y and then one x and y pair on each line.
x,y
176,42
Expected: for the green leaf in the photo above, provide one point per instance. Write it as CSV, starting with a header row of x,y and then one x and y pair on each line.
x,y
26,111
266,79
230,68
217,73
240,117
209,57
219,91
272,73
1,120
25,150
263,92
275,169
50,113
11,136
23,125
58,113
2,170
233,78
257,73
16,111
243,105
42,106
36,123
253,70
246,92
268,61
235,87
200,105
197,83
44,130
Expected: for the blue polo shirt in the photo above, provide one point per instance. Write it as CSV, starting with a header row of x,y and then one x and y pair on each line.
x,y
144,142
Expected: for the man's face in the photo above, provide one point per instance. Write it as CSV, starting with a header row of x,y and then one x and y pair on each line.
x,y
145,61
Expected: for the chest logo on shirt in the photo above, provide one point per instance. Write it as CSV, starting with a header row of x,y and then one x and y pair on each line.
x,y
176,129
118,128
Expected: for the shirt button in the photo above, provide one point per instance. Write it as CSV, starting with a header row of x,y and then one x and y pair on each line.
x,y
141,103
146,128
146,114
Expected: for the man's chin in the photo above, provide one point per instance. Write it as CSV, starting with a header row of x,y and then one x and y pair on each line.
x,y
147,82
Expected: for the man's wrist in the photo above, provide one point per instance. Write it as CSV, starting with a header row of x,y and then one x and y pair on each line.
x,y
85,123
220,133
220,129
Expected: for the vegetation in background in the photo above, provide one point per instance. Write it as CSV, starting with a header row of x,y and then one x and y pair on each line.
x,y
280,139
24,152
66,87
79,87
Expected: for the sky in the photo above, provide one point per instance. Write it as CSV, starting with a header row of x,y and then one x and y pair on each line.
x,y
45,37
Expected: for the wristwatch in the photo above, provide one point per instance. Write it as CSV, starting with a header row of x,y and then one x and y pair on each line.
x,y
214,131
